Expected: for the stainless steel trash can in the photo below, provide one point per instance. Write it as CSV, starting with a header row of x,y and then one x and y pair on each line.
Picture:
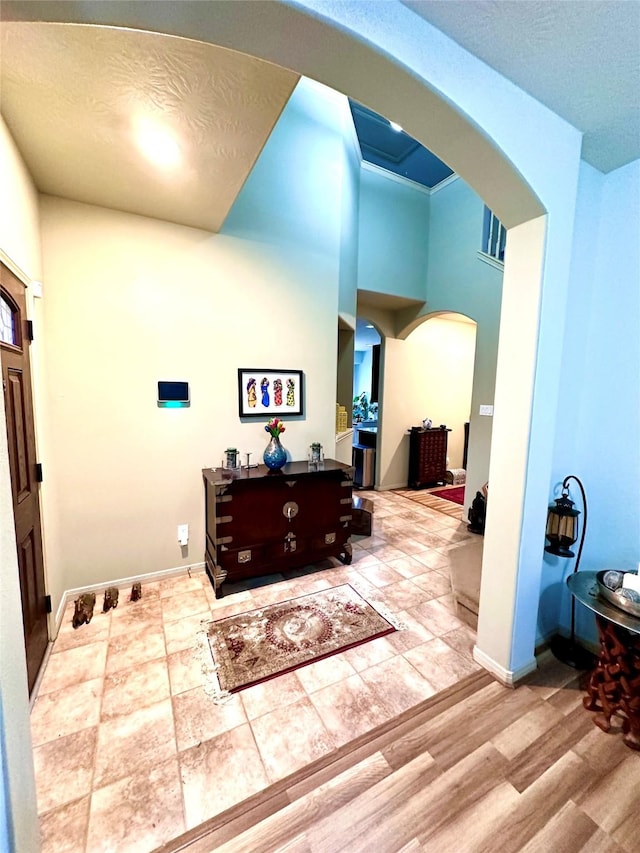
x,y
364,463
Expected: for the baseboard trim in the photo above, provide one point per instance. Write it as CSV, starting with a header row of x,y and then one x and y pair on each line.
x,y
150,577
508,677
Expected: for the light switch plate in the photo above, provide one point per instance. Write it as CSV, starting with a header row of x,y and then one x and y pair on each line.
x,y
486,410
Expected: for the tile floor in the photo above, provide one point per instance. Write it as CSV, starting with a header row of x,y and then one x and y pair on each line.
x,y
129,751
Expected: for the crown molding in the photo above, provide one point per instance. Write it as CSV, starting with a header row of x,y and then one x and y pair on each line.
x,y
391,176
445,183
399,179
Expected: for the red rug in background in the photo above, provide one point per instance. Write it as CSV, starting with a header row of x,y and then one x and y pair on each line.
x,y
456,495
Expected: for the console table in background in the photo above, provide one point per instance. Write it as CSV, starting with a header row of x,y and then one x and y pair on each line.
x,y
613,688
260,521
427,457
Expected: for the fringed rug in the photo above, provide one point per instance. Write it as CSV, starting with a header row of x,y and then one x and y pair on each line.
x,y
251,647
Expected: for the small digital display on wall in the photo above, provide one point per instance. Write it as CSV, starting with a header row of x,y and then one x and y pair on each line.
x,y
173,395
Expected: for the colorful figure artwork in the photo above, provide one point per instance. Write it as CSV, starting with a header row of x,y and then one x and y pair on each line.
x,y
264,387
251,393
291,392
263,391
277,392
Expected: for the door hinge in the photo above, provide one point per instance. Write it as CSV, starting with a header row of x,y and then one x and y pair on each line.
x,y
47,603
30,329
39,474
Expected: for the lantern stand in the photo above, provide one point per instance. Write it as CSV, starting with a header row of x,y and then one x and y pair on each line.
x,y
562,524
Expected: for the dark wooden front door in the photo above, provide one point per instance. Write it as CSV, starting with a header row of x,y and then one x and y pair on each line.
x,y
16,382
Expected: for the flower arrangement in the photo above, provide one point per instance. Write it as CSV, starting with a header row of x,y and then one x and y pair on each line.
x,y
275,427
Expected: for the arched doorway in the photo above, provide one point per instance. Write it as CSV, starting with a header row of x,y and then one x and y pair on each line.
x,y
384,58
445,357
412,74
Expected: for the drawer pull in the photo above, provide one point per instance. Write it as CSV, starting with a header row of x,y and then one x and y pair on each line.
x,y
290,509
290,543
244,556
329,538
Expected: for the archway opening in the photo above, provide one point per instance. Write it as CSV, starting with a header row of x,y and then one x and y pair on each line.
x,y
375,77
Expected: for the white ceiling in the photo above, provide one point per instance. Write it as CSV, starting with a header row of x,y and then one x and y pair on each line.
x,y
71,95
581,58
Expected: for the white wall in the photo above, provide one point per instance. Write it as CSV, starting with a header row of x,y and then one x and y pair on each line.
x,y
599,421
19,225
441,251
130,301
429,374
393,234
457,280
442,377
350,194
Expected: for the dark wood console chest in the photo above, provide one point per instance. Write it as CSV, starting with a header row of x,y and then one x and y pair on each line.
x,y
260,521
427,457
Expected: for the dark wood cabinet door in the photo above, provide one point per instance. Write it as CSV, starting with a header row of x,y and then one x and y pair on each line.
x,y
259,522
427,457
16,382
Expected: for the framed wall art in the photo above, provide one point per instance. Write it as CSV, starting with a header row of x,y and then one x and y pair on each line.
x,y
267,392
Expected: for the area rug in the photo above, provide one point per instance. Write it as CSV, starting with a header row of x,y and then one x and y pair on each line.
x,y
456,495
252,647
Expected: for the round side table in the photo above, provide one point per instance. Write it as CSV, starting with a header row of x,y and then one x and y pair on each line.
x,y
613,688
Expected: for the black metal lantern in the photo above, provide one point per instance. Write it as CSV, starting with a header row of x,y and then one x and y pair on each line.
x,y
562,525
562,532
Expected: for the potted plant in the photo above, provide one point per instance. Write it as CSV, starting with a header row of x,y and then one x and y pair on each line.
x,y
360,407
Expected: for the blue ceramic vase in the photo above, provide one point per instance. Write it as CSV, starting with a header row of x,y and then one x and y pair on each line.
x,y
274,456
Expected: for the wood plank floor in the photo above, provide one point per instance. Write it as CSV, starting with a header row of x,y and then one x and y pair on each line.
x,y
479,767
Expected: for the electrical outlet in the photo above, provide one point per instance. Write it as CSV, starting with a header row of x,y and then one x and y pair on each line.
x,y
183,533
486,410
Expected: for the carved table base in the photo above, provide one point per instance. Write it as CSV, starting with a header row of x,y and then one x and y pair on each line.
x,y
613,689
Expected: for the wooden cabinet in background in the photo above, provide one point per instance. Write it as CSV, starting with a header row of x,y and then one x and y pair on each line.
x,y
427,457
260,521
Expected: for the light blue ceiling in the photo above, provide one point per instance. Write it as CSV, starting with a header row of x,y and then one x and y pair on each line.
x,y
395,150
366,335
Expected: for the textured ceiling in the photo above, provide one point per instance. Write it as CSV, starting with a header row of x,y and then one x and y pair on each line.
x,y
73,95
580,58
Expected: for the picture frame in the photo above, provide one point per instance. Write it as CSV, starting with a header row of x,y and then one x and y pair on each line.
x,y
267,392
